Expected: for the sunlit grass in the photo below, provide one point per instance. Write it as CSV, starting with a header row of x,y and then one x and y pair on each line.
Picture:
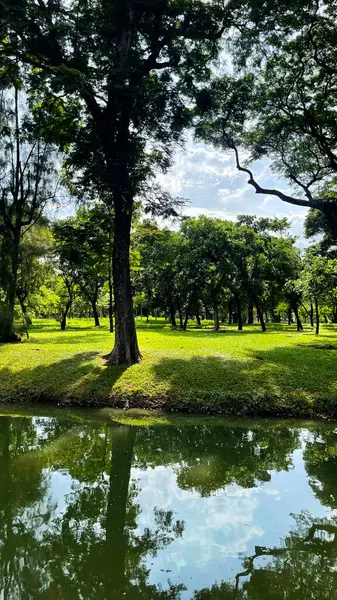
x,y
276,372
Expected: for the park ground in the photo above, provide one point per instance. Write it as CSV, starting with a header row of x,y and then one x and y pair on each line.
x,y
280,372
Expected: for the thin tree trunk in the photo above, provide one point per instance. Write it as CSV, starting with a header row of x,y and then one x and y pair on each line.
x,y
111,308
24,310
250,314
7,327
181,319
216,318
334,314
126,349
275,317
311,314
289,316
297,317
197,316
317,316
260,316
173,315
238,307
186,318
95,312
230,312
326,319
7,500
123,439
65,314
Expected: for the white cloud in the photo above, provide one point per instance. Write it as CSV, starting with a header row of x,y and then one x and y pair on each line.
x,y
220,526
194,211
209,179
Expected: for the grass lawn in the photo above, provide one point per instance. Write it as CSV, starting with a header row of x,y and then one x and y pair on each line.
x,y
249,372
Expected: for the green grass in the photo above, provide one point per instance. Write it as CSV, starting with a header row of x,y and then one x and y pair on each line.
x,y
276,372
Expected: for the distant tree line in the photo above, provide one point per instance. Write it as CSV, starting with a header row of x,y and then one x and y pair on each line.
x,y
243,272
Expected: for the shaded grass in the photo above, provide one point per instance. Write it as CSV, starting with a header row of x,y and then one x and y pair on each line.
x,y
278,372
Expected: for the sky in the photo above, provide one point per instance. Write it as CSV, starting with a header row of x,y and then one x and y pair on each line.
x,y
207,177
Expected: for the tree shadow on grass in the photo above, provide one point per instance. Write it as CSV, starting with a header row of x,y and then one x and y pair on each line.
x,y
274,329
281,380
79,378
71,338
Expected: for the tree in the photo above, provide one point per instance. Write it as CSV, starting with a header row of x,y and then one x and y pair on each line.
x,y
25,503
27,184
157,274
208,459
66,287
34,266
293,292
284,107
319,279
303,565
205,265
130,65
100,521
84,244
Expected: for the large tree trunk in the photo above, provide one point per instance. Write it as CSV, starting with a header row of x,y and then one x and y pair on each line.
x,y
7,326
125,351
317,316
95,312
173,315
111,308
123,439
260,315
65,314
216,317
238,307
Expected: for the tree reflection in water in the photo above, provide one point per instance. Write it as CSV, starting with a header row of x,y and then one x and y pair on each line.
x,y
94,547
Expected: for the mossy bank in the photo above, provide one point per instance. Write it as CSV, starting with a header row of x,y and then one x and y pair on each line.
x,y
280,372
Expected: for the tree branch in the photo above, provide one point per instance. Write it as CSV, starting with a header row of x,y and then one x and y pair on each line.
x,y
312,203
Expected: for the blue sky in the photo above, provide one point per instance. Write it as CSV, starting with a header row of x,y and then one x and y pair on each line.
x,y
207,177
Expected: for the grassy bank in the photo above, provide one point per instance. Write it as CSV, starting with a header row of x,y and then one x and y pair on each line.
x,y
277,372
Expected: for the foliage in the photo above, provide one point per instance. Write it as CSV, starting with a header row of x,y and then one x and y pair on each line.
x,y
209,260
83,246
27,185
281,104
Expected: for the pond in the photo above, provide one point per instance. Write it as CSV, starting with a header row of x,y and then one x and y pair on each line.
x,y
193,509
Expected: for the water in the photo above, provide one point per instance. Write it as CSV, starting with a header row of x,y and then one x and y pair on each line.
x,y
195,510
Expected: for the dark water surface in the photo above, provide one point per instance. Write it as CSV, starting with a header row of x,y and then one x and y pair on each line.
x,y
202,510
